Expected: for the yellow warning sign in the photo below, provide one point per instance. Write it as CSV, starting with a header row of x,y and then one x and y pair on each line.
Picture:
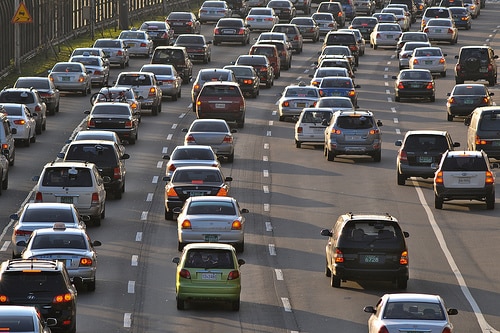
x,y
22,15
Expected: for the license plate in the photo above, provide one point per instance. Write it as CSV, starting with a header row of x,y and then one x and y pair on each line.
x,y
211,238
428,62
230,32
463,180
67,200
371,259
259,20
131,44
301,105
390,36
353,137
425,159
220,106
196,194
277,11
415,85
468,101
65,78
483,70
438,31
178,23
208,276
495,143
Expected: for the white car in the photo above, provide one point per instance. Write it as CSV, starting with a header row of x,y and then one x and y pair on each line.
x,y
310,127
295,98
403,19
336,103
261,18
442,29
407,50
408,312
139,43
385,34
431,58
22,120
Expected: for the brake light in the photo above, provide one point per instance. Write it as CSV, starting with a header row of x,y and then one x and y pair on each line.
x,y
426,30
20,122
248,81
91,123
353,48
38,108
403,156
374,131
216,31
227,139
401,85
171,167
315,83
22,232
196,87
38,197
300,129
403,260
171,192
152,91
450,30
351,93
128,124
439,177
336,132
236,225
415,61
95,198
446,330
186,224
338,256
479,141
143,44
442,61
287,104
383,329
321,93
430,85
85,262
296,37
486,100
119,53
233,275
458,67
222,192
268,19
190,139
241,32
339,14
184,273
116,173
490,67
63,298
4,299
489,178
5,146
251,19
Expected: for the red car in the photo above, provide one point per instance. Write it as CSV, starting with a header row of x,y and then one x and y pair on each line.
x,y
271,52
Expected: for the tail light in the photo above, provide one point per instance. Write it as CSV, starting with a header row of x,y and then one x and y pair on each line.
x,y
186,224
321,93
439,177
374,131
340,14
203,10
490,68
447,330
22,232
134,105
171,192
330,25
38,108
429,86
451,100
401,85
489,178
95,198
119,53
143,44
296,37
336,132
85,262
81,78
378,35
450,30
403,157
405,55
190,139
4,299
287,104
353,48
442,61
216,31
5,146
403,260
479,141
300,129
96,72
222,192
236,225
383,329
198,103
268,19
63,298
242,105
116,173
38,197
171,168
184,273
338,256
128,124
415,61
152,91
464,18
251,19
314,103
241,32
458,67
233,275
248,81
426,30
351,93
315,83
91,123
486,100
189,23
19,122
227,139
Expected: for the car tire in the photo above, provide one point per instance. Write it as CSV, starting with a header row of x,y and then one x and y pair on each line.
x,y
330,155
118,194
90,286
12,159
443,74
492,82
240,247
432,98
438,202
335,281
154,110
27,142
180,304
328,272
490,201
401,179
230,158
397,98
375,46
298,144
402,283
97,221
282,118
235,305
449,117
33,139
169,215
5,182
174,97
377,157
268,84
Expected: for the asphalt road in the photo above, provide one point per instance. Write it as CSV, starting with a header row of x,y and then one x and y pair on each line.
x,y
291,194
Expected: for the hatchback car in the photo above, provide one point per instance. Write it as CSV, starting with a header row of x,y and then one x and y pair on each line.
x,y
308,27
71,76
293,34
399,312
18,318
464,175
160,32
115,50
442,30
69,245
197,47
189,181
221,100
146,86
188,155
209,75
420,151
262,67
213,11
464,98
208,272
214,133
406,52
295,98
79,183
283,8
32,99
261,19
22,121
46,89
353,133
96,67
42,215
476,63
414,83
139,42
184,23
385,34
310,126
326,22
431,58
171,81
231,30
176,56
247,78
366,247
212,219
339,86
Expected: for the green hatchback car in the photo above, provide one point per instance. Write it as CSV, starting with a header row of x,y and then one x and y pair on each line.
x,y
208,272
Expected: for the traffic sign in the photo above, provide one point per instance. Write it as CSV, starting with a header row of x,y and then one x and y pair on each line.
x,y
22,15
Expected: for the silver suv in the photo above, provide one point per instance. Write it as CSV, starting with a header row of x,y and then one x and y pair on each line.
x,y
464,175
32,99
146,87
353,133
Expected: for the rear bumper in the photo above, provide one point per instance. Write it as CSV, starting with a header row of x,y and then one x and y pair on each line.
x,y
464,193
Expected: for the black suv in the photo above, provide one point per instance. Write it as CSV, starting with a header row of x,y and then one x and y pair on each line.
x,y
366,247
108,158
343,38
476,63
334,8
176,56
239,7
44,284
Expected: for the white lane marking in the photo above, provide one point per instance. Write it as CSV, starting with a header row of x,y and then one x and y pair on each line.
x,y
485,327
265,188
174,126
396,121
393,109
169,137
271,122
268,133
286,304
389,99
265,158
5,246
388,63
386,84
135,260
159,164
131,287
144,216
398,131
272,249
149,197
155,179
266,207
182,115
266,145
265,173
386,69
269,226
127,319
386,76
387,91
279,274
164,150
138,236
274,112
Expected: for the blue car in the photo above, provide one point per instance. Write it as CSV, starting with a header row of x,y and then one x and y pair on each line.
x,y
339,86
348,6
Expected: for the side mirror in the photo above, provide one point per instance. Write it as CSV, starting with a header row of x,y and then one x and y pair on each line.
x,y
228,179
394,77
96,243
166,178
398,143
452,312
166,157
60,155
241,262
326,232
456,57
406,234
176,260
369,309
14,217
21,243
184,130
467,121
357,86
379,123
86,111
177,210
244,211
234,130
492,94
125,156
456,144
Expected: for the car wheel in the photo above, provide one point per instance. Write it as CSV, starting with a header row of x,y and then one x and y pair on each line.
x,y
27,142
397,98
432,98
328,272
375,46
334,281
179,94
235,305
90,286
240,247
377,157
491,82
268,84
118,194
169,215
401,179
490,201
282,118
402,283
33,138
450,117
97,220
5,182
12,159
230,158
438,202
84,92
298,144
330,155
180,304
174,97
443,74
154,110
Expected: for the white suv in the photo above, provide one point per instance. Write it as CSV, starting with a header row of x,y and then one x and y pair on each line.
x,y
146,87
78,183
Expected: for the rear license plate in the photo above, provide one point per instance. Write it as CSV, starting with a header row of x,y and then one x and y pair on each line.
x,y
277,11
259,20
196,194
463,180
425,159
230,32
211,238
353,137
468,101
301,105
483,70
372,259
220,106
208,276
178,23
495,143
67,200
65,78
438,31
131,44
390,36
416,85
428,62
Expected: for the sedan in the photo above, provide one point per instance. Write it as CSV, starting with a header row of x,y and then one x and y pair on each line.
x,y
407,51
386,17
461,17
189,155
410,312
197,47
308,27
403,19
411,36
184,23
337,50
213,11
364,24
322,72
160,32
247,78
190,181
46,89
118,94
295,98
168,76
97,68
442,29
71,76
214,133
336,103
326,22
139,43
431,58
115,50
261,18
283,8
339,86
211,219
414,83
262,67
464,98
71,245
22,120
385,34
231,30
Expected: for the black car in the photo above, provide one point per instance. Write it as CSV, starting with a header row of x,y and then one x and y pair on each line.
x,y
159,32
197,47
343,38
176,56
476,63
231,30
464,98
238,7
44,284
46,88
364,24
414,83
184,23
261,65
247,78
283,8
461,17
366,247
334,8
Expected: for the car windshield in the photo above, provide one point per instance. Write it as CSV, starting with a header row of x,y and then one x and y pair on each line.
x,y
464,163
67,177
48,215
198,258
355,122
301,92
192,154
55,241
196,176
211,207
413,310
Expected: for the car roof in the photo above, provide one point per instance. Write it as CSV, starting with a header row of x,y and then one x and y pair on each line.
x,y
211,198
93,142
70,164
59,231
413,297
48,205
207,246
221,83
428,132
17,310
471,153
197,167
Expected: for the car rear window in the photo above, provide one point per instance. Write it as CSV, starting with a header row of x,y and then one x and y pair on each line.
x,y
461,163
490,122
48,215
17,97
192,154
214,76
316,116
469,90
341,39
230,23
212,208
260,11
260,50
111,109
209,127
37,84
179,16
189,40
101,155
301,92
209,259
364,21
86,61
18,284
370,232
158,70
329,7
337,102
55,241
434,12
68,68
17,324
197,176
135,80
108,43
358,122
241,71
63,177
12,110
335,83
414,311
220,90
479,53
303,21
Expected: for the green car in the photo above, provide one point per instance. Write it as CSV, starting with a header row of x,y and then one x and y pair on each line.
x,y
208,272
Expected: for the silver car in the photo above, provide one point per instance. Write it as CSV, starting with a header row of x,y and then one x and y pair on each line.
x,y
190,155
71,76
310,127
70,245
213,11
261,18
385,34
96,67
295,98
326,22
212,219
121,95
115,50
442,29
139,43
168,76
406,52
22,120
431,58
35,216
214,133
